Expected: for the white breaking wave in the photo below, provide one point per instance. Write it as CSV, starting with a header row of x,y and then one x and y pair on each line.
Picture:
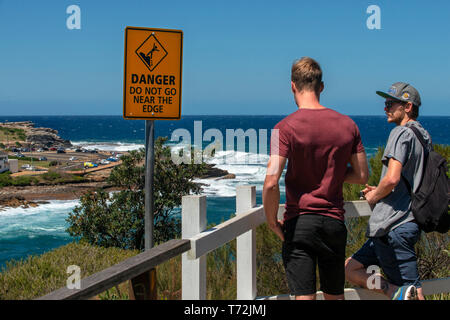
x,y
44,219
248,168
53,206
108,146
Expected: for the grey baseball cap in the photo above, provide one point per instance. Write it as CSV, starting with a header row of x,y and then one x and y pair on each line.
x,y
402,91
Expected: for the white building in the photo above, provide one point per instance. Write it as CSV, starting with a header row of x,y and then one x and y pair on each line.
x,y
13,165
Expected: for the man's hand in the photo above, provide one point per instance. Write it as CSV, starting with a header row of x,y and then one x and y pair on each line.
x,y
271,193
278,229
369,194
368,189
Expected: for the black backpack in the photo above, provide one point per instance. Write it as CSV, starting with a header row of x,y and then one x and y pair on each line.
x,y
431,200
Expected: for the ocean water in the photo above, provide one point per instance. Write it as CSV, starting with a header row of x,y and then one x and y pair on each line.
x,y
33,231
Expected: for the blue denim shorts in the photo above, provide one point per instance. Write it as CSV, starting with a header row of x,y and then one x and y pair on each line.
x,y
394,253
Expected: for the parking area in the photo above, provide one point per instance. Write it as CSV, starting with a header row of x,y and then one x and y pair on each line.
x,y
69,160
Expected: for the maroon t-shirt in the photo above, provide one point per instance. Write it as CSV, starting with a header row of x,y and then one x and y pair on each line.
x,y
318,144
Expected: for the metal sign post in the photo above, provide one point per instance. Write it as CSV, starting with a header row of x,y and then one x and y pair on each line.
x,y
149,170
151,91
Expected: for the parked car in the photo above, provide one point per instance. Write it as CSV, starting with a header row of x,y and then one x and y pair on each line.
x,y
104,161
78,150
19,155
52,149
60,150
112,159
42,159
40,150
73,158
90,165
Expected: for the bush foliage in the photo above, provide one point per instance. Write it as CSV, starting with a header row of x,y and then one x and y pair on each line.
x,y
117,220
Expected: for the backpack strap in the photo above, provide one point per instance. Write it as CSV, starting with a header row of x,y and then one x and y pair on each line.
x,y
419,136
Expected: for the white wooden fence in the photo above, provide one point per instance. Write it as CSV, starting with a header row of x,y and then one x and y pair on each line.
x,y
243,227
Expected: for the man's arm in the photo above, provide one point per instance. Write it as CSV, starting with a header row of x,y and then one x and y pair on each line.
x,y
271,193
387,184
358,173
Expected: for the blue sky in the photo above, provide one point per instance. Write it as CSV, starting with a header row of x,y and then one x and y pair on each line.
x,y
237,55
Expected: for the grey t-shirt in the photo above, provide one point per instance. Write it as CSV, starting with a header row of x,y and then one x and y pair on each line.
x,y
394,209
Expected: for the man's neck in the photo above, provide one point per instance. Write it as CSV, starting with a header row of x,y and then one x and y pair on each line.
x,y
406,120
307,100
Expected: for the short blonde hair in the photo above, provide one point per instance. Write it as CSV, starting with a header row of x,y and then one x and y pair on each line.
x,y
306,74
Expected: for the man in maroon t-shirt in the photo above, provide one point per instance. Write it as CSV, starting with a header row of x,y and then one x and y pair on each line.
x,y
319,144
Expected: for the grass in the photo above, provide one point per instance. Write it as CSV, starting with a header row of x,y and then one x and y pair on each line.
x,y
38,275
12,134
48,178
36,162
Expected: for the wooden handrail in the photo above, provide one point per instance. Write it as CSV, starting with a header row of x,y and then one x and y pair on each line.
x,y
215,237
125,270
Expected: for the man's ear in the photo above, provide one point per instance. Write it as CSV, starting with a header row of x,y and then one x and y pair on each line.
x,y
293,87
408,107
322,86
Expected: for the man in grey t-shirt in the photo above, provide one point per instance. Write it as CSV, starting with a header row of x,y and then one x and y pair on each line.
x,y
392,231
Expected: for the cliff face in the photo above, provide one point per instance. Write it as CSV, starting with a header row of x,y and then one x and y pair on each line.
x,y
39,137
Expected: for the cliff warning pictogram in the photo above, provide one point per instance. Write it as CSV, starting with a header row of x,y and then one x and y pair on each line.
x,y
151,52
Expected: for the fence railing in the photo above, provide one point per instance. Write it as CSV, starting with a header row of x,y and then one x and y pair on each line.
x,y
123,271
197,241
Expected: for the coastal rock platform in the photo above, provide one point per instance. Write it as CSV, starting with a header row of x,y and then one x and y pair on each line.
x,y
38,137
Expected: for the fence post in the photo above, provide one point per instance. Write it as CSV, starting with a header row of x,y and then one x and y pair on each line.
x,y
246,247
193,272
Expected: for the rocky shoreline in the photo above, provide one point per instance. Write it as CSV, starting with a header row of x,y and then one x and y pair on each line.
x,y
38,137
19,201
32,196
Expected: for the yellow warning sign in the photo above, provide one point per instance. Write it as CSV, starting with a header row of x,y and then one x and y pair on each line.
x,y
152,73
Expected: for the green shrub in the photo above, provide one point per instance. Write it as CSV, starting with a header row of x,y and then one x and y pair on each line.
x,y
25,181
23,158
5,179
53,163
118,219
51,176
